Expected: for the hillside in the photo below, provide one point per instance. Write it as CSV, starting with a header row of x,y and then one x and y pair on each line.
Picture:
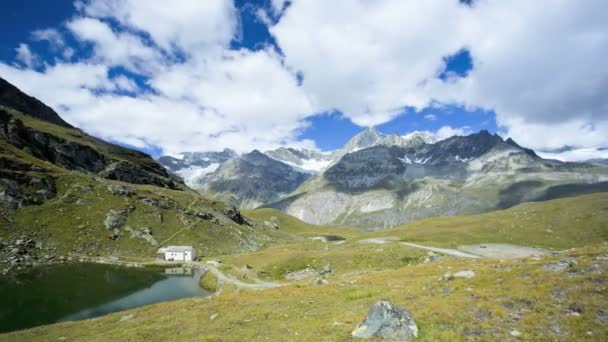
x,y
65,194
556,296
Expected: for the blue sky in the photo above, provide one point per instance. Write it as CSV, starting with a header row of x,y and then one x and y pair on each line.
x,y
266,73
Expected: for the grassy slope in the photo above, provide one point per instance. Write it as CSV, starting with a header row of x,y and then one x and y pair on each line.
x,y
73,221
559,224
503,296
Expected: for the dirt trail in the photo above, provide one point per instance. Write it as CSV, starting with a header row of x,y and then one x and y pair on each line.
x,y
447,251
487,250
225,279
504,250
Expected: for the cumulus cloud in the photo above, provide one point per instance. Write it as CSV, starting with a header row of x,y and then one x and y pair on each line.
x,y
115,49
26,56
448,131
537,64
576,155
204,95
369,58
50,35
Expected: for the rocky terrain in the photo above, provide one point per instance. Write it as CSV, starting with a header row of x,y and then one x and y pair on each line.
x,y
66,195
377,181
385,185
250,180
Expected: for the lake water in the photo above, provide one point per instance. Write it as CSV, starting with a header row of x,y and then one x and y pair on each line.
x,y
79,291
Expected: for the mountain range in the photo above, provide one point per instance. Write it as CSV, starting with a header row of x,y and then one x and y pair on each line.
x,y
377,181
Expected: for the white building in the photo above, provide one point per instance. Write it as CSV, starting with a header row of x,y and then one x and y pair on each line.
x,y
177,253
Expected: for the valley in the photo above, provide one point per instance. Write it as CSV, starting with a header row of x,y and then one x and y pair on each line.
x,y
478,237
560,294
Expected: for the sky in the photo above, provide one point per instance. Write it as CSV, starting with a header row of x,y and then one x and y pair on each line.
x,y
208,75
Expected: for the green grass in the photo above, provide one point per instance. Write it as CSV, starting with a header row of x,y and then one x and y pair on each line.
x,y
290,224
558,224
503,296
71,226
209,282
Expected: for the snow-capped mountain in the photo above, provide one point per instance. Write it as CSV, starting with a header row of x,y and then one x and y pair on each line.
x,y
382,186
304,159
378,181
191,166
371,137
252,180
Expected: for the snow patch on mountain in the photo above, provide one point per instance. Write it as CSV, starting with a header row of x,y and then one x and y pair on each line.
x,y
192,174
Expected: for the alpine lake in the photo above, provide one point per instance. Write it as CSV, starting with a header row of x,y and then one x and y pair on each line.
x,y
70,292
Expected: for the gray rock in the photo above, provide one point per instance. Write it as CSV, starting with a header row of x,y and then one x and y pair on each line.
x,y
561,265
301,274
143,233
115,219
326,270
121,190
235,215
387,322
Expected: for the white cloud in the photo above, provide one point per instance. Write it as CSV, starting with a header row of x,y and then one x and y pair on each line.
x,y
448,131
209,99
122,82
185,24
431,117
538,64
26,56
576,155
369,58
50,35
113,48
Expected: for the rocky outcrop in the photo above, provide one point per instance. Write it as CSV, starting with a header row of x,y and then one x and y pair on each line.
x,y
131,173
142,233
115,219
18,189
48,147
23,250
235,215
387,322
75,155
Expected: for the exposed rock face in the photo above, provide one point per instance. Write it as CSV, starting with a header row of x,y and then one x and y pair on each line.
x,y
18,189
388,323
45,146
385,185
235,215
74,155
12,97
132,173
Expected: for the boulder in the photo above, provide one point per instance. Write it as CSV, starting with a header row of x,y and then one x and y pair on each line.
x,y
115,219
387,322
235,215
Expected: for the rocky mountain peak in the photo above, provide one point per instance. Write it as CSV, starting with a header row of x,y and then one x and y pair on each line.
x,y
367,138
